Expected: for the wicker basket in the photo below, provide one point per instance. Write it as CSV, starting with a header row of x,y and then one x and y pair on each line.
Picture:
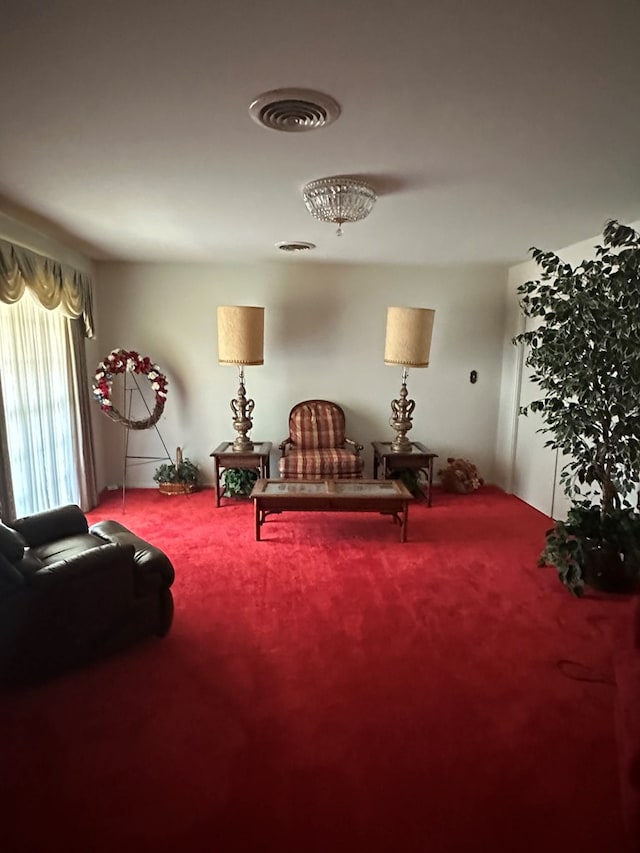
x,y
177,488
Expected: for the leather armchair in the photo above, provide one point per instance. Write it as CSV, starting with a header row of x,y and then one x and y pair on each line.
x,y
70,594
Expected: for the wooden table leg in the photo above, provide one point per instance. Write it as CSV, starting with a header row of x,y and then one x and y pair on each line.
x,y
217,477
405,521
258,515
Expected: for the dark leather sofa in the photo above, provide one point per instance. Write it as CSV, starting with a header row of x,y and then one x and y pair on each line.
x,y
70,593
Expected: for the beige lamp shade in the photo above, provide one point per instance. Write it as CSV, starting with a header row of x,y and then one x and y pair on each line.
x,y
408,338
240,334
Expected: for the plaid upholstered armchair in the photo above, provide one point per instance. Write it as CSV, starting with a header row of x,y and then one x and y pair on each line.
x,y
317,447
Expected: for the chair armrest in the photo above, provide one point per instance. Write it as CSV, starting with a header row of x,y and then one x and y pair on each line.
x,y
10,577
357,447
51,524
112,559
282,447
152,566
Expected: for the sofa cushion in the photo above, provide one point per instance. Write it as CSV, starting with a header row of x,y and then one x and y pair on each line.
x,y
51,524
325,463
30,564
11,543
65,548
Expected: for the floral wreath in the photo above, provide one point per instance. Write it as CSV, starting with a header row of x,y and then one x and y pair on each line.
x,y
129,361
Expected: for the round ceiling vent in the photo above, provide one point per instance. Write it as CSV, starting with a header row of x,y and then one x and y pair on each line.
x,y
294,110
295,246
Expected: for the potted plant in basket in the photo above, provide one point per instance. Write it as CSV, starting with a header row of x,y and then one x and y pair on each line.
x,y
179,477
585,357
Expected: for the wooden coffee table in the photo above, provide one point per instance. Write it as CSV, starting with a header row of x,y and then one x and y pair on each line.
x,y
385,496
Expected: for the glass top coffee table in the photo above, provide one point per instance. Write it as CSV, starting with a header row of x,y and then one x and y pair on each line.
x,y
384,496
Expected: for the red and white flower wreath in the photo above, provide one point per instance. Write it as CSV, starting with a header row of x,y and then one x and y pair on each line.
x,y
123,361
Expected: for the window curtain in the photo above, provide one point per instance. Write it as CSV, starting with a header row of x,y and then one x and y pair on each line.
x,y
7,506
55,285
68,293
81,401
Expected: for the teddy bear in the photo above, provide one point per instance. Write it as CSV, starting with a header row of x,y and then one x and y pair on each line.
x,y
460,476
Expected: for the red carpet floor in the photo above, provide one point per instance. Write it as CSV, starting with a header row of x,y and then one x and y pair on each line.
x,y
330,689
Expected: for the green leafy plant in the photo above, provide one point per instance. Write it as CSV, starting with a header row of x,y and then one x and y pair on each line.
x,y
238,482
185,471
601,550
585,357
410,478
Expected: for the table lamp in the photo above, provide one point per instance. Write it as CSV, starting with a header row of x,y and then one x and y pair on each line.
x,y
241,342
408,341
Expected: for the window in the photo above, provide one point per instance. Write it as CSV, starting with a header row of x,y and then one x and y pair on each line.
x,y
34,364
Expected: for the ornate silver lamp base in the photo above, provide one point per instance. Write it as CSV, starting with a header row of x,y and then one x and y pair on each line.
x,y
400,420
242,409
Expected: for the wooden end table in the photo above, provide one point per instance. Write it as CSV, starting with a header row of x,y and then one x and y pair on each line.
x,y
420,458
224,456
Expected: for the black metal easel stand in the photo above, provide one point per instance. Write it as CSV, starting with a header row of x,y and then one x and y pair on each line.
x,y
129,391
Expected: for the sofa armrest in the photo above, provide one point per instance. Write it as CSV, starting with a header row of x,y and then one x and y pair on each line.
x,y
51,524
153,568
10,577
112,559
282,447
357,447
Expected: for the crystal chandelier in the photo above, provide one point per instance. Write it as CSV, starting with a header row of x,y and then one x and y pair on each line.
x,y
339,199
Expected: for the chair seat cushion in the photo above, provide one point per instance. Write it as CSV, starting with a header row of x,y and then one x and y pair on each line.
x,y
64,548
330,463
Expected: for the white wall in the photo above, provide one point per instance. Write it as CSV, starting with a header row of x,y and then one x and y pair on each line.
x,y
28,237
324,337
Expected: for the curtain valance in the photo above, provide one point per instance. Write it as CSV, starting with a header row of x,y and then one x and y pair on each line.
x,y
56,285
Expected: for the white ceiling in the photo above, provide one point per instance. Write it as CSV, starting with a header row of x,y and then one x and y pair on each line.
x,y
485,126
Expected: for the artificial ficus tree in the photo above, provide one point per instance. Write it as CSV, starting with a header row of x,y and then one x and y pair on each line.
x,y
585,358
